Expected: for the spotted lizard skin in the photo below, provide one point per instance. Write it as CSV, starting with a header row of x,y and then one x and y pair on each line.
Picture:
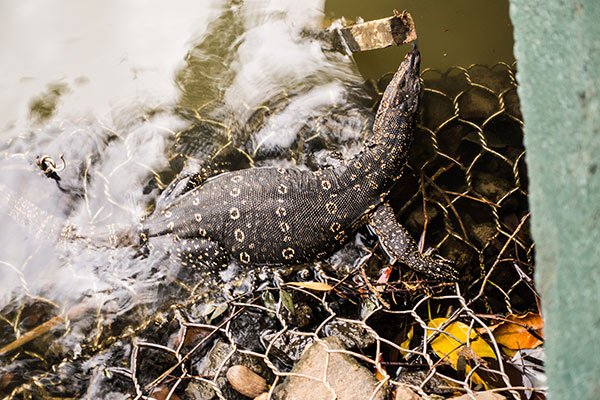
x,y
288,216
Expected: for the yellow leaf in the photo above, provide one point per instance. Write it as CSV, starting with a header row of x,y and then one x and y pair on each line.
x,y
406,343
520,332
451,345
322,287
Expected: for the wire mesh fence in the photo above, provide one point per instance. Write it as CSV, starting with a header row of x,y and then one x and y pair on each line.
x,y
464,193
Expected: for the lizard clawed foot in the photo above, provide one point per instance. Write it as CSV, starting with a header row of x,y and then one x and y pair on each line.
x,y
434,265
399,245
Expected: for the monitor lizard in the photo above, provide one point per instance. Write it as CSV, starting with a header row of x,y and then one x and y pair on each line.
x,y
277,216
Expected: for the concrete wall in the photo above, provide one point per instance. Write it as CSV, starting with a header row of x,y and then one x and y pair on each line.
x,y
557,46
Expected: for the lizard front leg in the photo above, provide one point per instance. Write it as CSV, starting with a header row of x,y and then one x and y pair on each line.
x,y
190,177
186,180
399,245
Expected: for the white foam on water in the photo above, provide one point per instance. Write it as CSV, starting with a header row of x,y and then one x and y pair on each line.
x,y
117,61
274,53
281,130
110,172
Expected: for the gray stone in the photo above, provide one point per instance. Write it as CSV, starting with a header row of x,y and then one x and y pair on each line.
x,y
405,393
351,334
346,378
221,354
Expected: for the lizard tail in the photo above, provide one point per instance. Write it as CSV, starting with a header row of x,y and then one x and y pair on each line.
x,y
39,223
42,225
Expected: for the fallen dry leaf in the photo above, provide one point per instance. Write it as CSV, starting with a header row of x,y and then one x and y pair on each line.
x,y
193,334
520,331
380,372
385,276
162,393
319,286
406,343
451,345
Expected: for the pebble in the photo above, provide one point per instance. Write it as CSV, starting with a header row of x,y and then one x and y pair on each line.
x,y
246,381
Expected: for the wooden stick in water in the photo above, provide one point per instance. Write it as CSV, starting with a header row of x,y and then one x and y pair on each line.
x,y
43,328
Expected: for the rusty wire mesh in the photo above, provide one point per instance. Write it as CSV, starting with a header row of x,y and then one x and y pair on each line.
x,y
464,193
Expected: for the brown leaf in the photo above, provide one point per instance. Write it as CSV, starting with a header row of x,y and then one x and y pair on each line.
x,y
195,334
520,331
162,393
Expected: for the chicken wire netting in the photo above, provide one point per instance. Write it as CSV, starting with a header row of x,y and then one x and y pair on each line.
x,y
463,193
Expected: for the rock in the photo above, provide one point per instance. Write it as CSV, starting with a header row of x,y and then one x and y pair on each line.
x,y
215,363
435,385
346,378
405,393
246,381
199,391
247,328
352,335
287,347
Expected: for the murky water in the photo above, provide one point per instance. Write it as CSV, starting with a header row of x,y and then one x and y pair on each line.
x,y
451,33
122,90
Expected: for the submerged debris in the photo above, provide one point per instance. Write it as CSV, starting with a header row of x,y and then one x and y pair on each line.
x,y
49,167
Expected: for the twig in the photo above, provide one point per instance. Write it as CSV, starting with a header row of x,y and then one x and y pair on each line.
x,y
44,328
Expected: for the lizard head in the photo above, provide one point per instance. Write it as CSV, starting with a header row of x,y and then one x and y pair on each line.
x,y
402,93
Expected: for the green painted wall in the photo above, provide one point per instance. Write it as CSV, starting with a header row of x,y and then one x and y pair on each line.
x,y
557,46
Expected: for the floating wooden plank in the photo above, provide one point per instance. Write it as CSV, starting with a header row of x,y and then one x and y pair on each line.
x,y
380,33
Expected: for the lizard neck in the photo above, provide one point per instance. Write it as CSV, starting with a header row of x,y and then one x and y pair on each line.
x,y
379,165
